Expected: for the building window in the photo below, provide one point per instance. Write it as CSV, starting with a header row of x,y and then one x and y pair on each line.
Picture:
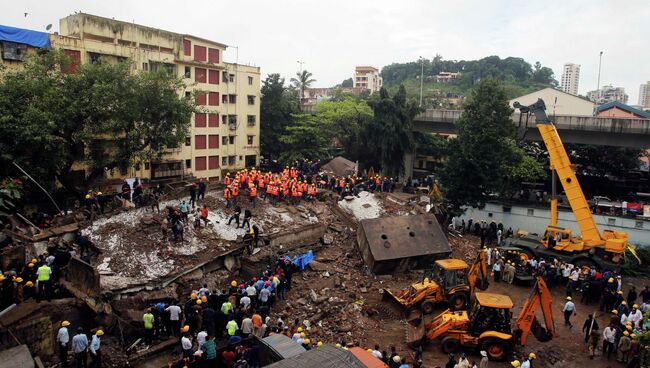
x,y
530,212
188,141
145,66
251,119
232,120
224,161
224,77
188,72
213,120
94,58
170,69
250,81
250,139
201,100
200,163
224,119
213,76
231,77
199,142
213,141
251,100
231,139
224,99
213,98
188,164
224,141
199,54
187,47
213,162
213,56
74,57
231,160
200,120
232,99
200,75
188,94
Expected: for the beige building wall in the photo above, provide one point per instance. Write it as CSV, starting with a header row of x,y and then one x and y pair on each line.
x,y
367,77
558,102
219,133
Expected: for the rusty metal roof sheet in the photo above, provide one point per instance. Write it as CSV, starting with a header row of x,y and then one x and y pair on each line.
x,y
327,356
404,236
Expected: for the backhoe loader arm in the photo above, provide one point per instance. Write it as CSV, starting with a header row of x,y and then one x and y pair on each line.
x,y
477,276
526,322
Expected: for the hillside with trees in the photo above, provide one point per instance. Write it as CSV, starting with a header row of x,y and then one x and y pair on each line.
x,y
518,76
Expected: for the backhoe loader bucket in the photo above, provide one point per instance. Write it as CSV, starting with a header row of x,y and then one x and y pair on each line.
x,y
392,305
415,334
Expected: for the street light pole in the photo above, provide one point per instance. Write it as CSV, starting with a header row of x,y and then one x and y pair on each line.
x,y
600,61
421,78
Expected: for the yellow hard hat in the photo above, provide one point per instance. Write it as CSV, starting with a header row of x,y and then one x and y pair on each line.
x,y
99,333
299,329
629,328
30,265
338,345
620,292
626,333
302,335
307,341
320,343
635,306
233,283
29,283
65,323
611,279
19,279
34,260
99,193
198,302
87,196
633,336
185,328
532,356
515,363
615,311
2,277
568,298
204,299
193,295
369,350
623,302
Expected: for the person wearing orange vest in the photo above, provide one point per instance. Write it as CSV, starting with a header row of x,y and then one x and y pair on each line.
x,y
378,183
341,184
295,193
226,180
312,192
235,193
227,196
262,185
253,195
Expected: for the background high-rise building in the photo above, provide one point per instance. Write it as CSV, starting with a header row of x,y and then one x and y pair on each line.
x,y
644,95
570,78
607,94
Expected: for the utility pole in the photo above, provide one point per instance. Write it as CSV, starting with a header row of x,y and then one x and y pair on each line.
x,y
600,61
302,88
421,78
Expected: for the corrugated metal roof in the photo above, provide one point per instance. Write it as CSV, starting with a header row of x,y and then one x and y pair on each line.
x,y
327,356
404,236
283,345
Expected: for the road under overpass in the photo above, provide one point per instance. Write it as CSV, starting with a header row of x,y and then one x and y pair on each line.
x,y
604,131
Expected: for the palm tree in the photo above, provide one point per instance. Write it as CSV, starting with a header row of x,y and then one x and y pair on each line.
x,y
302,82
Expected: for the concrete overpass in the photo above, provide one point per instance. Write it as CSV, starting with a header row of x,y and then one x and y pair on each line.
x,y
602,131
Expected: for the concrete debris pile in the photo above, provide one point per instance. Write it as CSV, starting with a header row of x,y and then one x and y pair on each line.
x,y
366,206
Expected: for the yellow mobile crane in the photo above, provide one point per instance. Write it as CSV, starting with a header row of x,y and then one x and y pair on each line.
x,y
589,248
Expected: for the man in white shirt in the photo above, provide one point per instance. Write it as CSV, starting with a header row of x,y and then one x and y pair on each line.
x,y
186,345
245,302
610,339
246,326
377,353
251,291
175,318
635,316
569,309
200,338
63,340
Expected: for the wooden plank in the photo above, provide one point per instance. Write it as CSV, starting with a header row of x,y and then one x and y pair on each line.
x,y
55,231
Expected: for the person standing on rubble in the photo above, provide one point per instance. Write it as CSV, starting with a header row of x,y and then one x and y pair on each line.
x,y
235,216
204,215
148,320
192,190
126,190
95,352
63,342
79,347
202,187
44,275
247,219
175,315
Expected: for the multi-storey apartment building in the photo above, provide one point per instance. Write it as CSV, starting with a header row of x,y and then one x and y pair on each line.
x,y
367,77
570,78
224,135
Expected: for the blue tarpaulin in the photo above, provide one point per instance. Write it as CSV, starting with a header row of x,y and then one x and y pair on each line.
x,y
303,260
24,36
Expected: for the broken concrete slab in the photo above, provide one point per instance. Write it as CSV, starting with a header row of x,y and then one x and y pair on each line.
x,y
304,234
55,231
18,356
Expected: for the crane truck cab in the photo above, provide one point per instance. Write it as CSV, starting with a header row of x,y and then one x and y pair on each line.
x,y
450,280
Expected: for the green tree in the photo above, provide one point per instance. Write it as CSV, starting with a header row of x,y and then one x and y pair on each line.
x,y
483,157
306,138
103,115
347,83
390,133
277,104
346,121
303,81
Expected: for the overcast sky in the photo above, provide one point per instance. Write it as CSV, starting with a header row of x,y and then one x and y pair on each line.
x,y
332,36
